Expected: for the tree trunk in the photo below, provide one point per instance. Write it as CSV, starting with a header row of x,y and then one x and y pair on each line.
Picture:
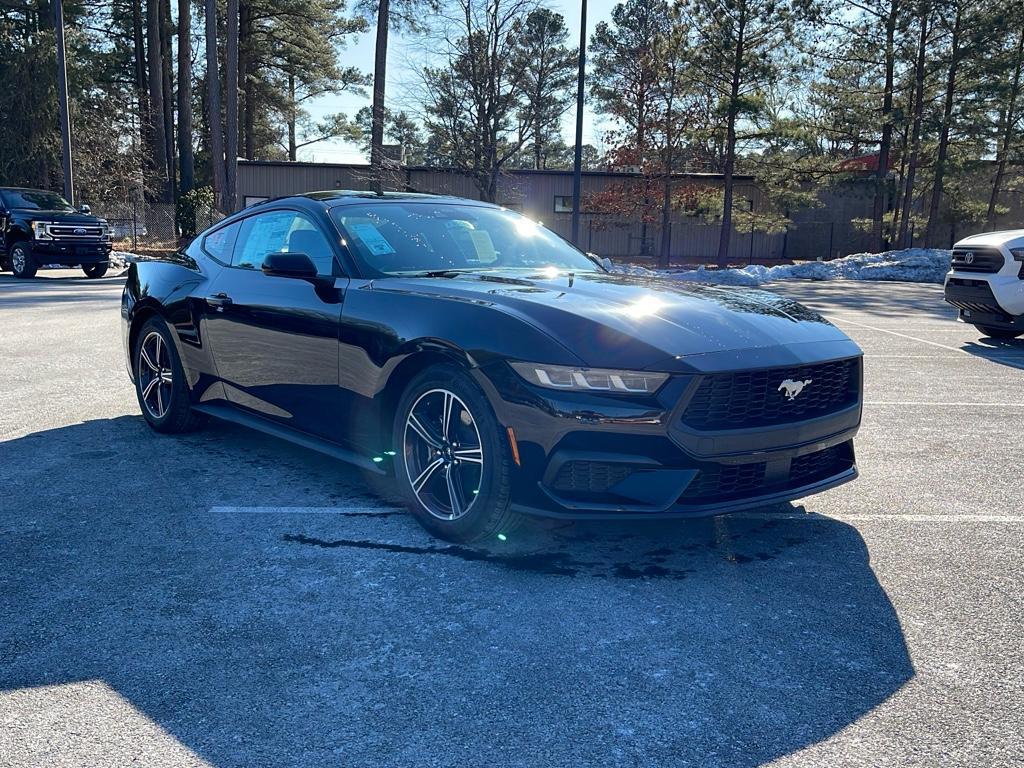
x,y
248,83
213,104
915,138
730,142
1007,135
882,172
166,31
292,141
231,108
185,157
141,94
943,151
380,65
156,96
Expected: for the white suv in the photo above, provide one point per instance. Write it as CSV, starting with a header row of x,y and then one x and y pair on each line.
x,y
986,282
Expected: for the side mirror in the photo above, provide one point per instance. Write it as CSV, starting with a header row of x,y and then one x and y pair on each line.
x,y
296,265
83,208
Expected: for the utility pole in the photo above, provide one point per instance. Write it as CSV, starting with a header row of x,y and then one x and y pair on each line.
x,y
62,96
577,165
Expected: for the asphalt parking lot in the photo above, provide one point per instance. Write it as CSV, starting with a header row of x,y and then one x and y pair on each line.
x,y
227,599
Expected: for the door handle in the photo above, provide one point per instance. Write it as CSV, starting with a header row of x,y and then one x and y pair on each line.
x,y
219,300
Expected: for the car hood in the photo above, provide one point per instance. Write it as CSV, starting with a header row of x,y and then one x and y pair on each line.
x,y
69,217
619,320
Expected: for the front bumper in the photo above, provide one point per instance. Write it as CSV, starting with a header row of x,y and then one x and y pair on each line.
x,y
70,254
593,456
986,299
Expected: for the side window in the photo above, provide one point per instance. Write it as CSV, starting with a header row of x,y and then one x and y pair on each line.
x,y
220,243
282,232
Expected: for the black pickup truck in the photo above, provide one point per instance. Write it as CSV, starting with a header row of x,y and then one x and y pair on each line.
x,y
39,228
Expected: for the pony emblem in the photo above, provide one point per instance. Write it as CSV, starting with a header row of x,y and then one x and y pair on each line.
x,y
793,388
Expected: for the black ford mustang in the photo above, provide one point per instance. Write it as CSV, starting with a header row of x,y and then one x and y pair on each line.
x,y
487,366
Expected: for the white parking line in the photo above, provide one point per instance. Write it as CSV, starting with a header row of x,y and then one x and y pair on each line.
x,y
905,336
869,517
346,511
960,404
1000,356
856,517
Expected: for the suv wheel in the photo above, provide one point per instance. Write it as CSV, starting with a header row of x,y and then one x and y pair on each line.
x,y
998,333
22,263
452,465
95,270
160,381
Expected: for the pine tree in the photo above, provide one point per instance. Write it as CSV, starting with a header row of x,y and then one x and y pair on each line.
x,y
548,69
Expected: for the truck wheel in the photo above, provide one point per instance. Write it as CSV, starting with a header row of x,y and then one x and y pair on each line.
x,y
22,263
95,270
998,333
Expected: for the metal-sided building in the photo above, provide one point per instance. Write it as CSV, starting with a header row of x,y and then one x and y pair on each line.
x,y
546,195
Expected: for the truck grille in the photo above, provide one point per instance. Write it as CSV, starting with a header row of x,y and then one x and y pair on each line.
x,y
972,295
75,231
989,260
756,398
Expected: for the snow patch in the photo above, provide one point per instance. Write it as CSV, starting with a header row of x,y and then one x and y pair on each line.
x,y
911,265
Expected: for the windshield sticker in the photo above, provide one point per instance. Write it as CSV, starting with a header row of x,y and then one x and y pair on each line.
x,y
483,245
372,238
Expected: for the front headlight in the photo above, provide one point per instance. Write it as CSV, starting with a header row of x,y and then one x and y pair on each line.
x,y
590,379
1017,253
39,230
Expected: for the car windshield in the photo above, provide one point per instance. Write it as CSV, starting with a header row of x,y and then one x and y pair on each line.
x,y
35,200
425,237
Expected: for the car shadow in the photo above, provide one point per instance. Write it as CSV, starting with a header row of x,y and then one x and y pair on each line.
x,y
253,600
1005,352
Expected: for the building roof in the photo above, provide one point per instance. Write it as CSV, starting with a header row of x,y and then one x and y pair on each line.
x,y
365,168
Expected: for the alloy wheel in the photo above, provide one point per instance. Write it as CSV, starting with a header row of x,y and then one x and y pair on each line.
x,y
444,457
156,378
18,260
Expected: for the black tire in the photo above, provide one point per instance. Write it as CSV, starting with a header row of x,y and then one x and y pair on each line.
x,y
94,271
166,406
998,333
23,265
487,512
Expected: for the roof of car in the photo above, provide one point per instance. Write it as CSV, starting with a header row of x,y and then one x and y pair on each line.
x,y
335,197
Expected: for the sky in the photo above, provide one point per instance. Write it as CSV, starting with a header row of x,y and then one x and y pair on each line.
x,y
403,55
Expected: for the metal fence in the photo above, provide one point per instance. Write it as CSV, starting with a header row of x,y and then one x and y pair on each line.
x,y
142,226
693,243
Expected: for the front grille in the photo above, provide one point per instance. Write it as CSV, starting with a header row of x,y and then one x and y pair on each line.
x,y
819,465
989,260
75,231
757,398
725,481
590,476
728,482
972,295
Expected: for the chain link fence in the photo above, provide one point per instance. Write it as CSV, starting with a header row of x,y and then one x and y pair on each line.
x,y
139,226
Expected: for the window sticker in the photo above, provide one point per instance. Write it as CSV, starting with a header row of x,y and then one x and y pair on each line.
x,y
372,239
484,246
